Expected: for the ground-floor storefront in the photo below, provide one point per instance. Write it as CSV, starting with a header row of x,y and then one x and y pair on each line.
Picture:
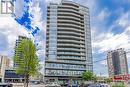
x,y
12,77
64,80
14,80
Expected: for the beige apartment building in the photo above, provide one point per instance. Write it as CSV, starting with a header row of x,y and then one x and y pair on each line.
x,y
4,64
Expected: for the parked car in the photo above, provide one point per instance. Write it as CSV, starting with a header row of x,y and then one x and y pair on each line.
x,y
105,85
52,84
65,85
35,82
6,85
74,85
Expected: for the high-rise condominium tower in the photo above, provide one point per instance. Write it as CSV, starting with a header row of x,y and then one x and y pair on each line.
x,y
117,62
17,53
68,41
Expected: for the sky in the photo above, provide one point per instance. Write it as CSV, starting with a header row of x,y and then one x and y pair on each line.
x,y
110,27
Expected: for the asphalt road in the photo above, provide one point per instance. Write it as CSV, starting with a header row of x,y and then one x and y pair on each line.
x,y
36,85
30,85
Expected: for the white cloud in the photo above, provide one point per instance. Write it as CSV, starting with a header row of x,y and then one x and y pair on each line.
x,y
110,41
113,42
98,25
37,19
9,30
124,20
102,15
40,23
104,62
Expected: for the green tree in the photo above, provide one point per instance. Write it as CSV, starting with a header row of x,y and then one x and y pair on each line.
x,y
87,75
26,59
94,78
108,80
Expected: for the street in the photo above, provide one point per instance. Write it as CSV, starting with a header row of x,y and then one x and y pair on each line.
x,y
30,85
40,85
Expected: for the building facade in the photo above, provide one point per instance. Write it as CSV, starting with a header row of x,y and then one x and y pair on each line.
x,y
20,38
68,41
4,64
117,62
12,77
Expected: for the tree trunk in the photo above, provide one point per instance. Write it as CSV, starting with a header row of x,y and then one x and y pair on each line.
x,y
26,80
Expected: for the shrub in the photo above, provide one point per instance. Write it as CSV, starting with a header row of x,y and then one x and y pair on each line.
x,y
118,86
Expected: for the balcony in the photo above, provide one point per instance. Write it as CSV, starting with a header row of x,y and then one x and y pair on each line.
x,y
64,18
72,45
70,18
61,25
70,37
71,29
68,7
71,22
61,61
69,50
70,53
70,33
71,58
71,41
70,4
70,14
67,10
66,68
